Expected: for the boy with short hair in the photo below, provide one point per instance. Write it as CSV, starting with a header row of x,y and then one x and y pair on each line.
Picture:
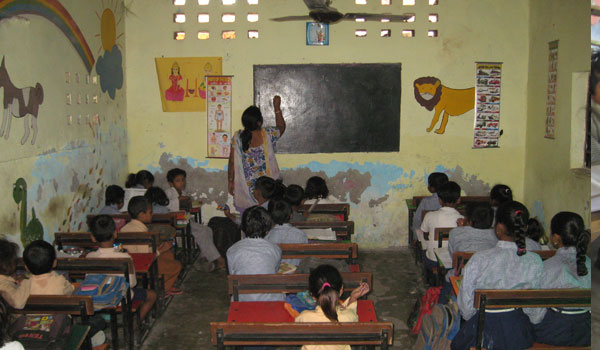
x,y
104,233
434,182
446,216
114,198
14,293
294,194
177,179
283,231
40,260
140,209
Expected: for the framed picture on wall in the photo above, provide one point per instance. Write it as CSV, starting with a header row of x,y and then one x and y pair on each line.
x,y
317,34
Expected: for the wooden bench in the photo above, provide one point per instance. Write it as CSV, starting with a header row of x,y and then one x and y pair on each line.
x,y
343,229
342,209
225,334
84,239
341,250
295,283
486,299
72,305
460,259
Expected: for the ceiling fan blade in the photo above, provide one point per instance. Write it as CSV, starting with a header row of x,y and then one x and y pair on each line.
x,y
291,18
377,17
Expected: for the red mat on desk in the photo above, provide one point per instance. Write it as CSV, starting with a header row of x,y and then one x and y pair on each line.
x,y
142,261
273,311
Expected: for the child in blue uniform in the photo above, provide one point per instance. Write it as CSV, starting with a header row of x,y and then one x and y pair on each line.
x,y
506,266
434,182
568,268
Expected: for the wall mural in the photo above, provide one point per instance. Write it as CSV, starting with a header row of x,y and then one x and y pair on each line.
x,y
53,11
33,230
110,65
20,103
430,93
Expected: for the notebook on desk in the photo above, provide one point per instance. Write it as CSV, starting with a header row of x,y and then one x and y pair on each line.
x,y
443,256
321,234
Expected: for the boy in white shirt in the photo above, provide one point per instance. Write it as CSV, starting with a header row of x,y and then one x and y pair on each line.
x,y
446,216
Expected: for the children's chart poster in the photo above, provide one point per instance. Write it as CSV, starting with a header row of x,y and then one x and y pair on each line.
x,y
487,103
551,97
218,113
181,81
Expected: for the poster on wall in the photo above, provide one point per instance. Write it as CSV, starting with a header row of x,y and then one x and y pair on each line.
x,y
218,115
487,103
181,81
551,93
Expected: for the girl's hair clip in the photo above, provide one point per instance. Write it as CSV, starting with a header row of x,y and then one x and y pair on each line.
x,y
521,250
517,212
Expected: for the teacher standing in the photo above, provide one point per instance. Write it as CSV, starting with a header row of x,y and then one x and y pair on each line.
x,y
252,154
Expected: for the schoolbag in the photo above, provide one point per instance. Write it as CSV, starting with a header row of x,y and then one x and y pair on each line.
x,y
439,327
225,233
41,331
426,303
105,290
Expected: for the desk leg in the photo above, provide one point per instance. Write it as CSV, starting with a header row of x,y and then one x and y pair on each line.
x,y
411,215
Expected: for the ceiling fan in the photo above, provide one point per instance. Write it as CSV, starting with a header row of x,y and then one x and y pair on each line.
x,y
321,11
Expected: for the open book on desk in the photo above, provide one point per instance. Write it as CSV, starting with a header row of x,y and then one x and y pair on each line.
x,y
443,257
321,234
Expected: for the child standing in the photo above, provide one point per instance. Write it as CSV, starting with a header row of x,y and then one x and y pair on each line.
x,y
446,216
568,268
40,259
113,199
506,266
104,233
434,182
14,293
326,286
283,231
203,235
254,255
140,210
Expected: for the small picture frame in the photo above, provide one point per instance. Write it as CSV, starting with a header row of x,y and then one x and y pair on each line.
x,y
68,99
317,34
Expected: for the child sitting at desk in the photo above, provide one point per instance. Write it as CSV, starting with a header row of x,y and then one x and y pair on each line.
x,y
568,268
14,293
158,199
104,233
506,266
140,210
40,258
325,284
476,232
203,235
283,231
446,216
113,199
316,191
434,182
142,180
254,255
294,195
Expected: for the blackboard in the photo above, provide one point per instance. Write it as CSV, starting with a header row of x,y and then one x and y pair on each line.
x,y
332,107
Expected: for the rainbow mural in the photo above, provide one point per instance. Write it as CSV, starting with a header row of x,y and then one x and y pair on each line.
x,y
53,11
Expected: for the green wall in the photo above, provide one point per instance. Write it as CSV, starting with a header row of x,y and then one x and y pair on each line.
x,y
69,165
554,180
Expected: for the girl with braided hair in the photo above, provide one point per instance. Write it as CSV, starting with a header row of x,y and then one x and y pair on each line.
x,y
568,268
506,266
326,286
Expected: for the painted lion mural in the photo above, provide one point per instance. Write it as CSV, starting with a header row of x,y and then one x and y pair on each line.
x,y
430,93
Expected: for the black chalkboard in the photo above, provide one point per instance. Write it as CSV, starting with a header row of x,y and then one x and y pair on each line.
x,y
333,107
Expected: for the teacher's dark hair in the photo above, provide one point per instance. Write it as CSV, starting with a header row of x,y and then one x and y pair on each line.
x,y
252,120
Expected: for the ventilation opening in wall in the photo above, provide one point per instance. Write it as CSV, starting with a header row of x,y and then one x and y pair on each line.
x,y
179,35
252,17
411,18
252,2
203,2
203,18
178,2
385,20
360,2
359,19
228,34
253,34
433,17
433,2
179,18
360,33
203,35
386,33
408,2
386,2
408,33
228,2
432,33
228,17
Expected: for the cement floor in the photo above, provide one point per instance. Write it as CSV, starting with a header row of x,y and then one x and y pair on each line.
x,y
186,323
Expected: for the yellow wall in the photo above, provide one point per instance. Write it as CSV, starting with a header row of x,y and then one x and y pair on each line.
x,y
69,165
550,183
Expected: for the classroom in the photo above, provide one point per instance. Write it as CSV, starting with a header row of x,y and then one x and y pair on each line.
x,y
103,112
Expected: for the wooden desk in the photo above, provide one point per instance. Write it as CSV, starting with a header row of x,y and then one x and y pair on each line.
x,y
77,336
273,311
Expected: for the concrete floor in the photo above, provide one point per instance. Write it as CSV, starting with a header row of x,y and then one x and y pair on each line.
x,y
186,323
